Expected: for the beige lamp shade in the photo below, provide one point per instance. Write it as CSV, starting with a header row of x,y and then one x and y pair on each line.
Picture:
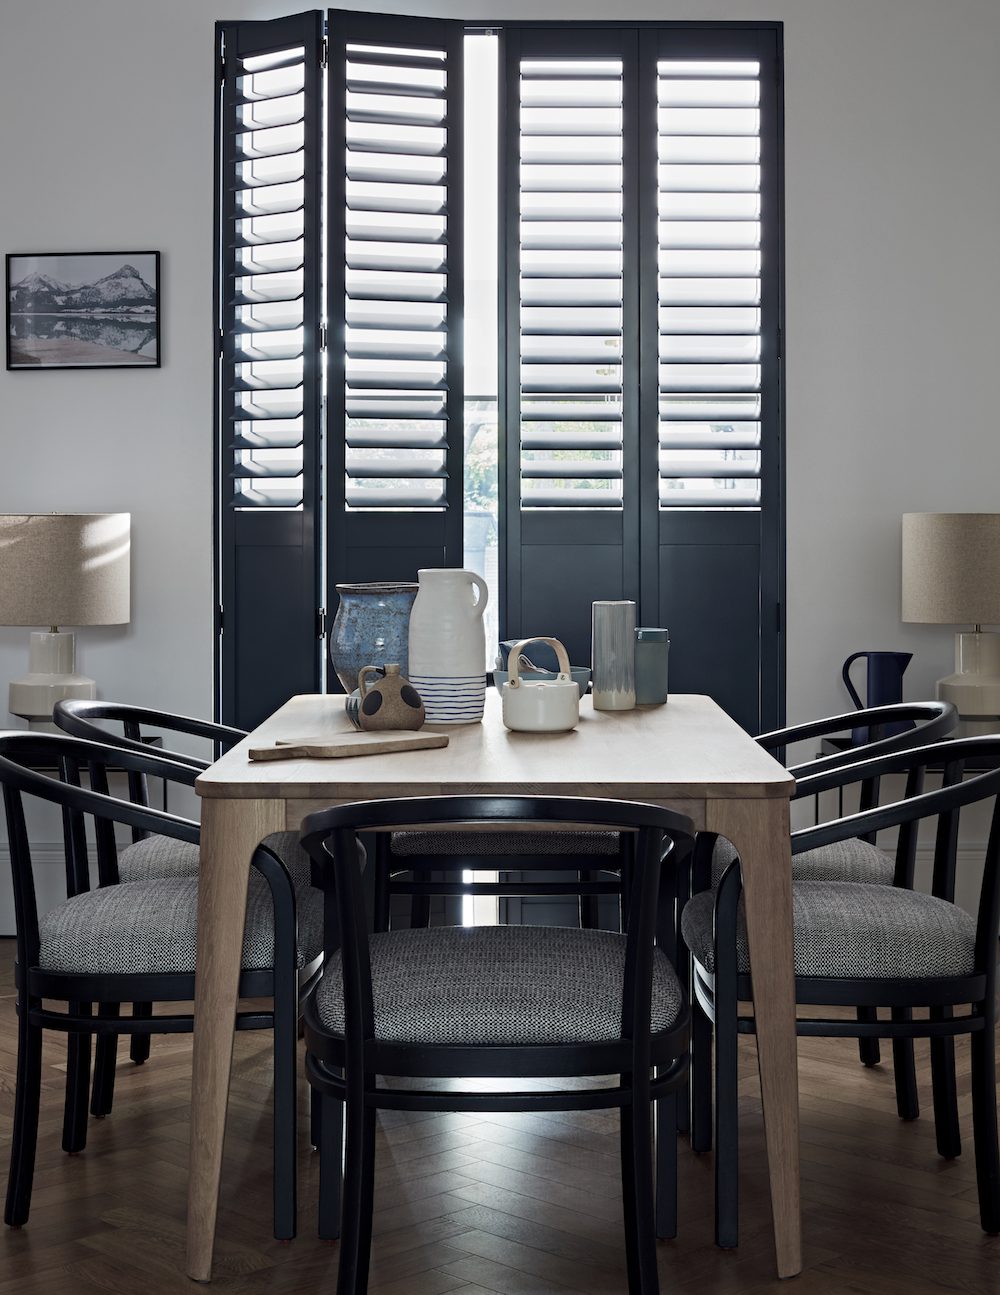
x,y
64,568
951,568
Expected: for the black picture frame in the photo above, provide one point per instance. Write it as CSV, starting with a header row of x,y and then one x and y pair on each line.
x,y
82,310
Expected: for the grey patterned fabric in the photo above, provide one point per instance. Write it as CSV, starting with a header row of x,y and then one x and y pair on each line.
x,y
842,861
845,928
499,985
149,927
163,856
158,856
492,843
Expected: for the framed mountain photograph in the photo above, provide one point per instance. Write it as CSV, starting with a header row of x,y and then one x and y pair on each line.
x,y
83,310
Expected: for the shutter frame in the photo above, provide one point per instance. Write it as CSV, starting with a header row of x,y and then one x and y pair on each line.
x,y
268,570
392,542
681,565
569,538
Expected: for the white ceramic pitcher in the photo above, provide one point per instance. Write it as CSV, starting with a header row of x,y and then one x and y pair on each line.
x,y
447,657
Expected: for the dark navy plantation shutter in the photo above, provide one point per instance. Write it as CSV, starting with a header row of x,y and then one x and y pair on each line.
x,y
642,322
640,400
712,488
570,400
394,220
270,129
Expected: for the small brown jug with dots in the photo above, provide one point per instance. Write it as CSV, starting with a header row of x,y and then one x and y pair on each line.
x,y
391,702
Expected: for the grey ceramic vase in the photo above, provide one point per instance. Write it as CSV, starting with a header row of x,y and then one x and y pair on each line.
x,y
372,624
613,676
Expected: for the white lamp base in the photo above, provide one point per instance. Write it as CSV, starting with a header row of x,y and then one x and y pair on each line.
x,y
51,677
974,688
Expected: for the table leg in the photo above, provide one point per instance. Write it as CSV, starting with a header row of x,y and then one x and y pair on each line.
x,y
230,832
759,830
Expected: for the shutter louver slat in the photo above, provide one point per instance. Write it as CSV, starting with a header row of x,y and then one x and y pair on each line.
x,y
273,441
705,436
406,199
283,142
574,440
709,263
579,411
367,286
366,109
397,263
571,287
265,247
400,408
393,438
390,56
271,60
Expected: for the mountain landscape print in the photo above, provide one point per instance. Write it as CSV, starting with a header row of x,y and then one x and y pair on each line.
x,y
83,310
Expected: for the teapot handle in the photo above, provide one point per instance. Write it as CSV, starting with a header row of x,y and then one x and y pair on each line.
x,y
484,593
513,678
846,674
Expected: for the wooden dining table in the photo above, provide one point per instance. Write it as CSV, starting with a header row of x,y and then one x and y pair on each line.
x,y
687,755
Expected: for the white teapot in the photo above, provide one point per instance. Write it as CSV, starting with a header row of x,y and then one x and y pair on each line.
x,y
542,705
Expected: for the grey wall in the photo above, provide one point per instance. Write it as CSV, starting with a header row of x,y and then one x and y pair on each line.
x,y
893,190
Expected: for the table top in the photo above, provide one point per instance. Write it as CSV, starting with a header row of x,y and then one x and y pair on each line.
x,y
689,748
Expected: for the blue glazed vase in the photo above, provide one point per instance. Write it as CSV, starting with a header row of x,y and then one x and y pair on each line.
x,y
371,627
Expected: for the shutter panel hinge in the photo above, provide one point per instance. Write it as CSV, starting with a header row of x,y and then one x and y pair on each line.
x,y
219,619
321,622
324,52
222,69
322,337
781,344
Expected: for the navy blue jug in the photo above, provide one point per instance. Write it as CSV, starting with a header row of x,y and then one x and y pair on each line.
x,y
884,687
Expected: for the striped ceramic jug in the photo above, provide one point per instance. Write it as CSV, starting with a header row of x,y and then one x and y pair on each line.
x,y
448,645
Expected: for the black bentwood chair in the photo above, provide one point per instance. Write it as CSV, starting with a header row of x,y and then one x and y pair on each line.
x,y
870,947
852,860
519,1002
134,941
155,856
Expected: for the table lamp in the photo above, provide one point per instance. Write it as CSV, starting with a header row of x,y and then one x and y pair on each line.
x,y
60,569
951,576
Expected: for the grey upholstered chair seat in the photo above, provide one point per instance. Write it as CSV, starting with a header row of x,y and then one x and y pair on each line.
x,y
163,856
845,928
851,860
499,985
143,927
494,843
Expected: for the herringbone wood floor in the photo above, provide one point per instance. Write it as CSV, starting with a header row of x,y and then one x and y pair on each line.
x,y
475,1204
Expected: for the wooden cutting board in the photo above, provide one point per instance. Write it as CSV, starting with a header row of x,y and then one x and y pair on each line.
x,y
350,744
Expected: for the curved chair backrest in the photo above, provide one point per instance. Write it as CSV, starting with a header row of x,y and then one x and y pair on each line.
x,y
85,719
929,721
82,719
24,760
